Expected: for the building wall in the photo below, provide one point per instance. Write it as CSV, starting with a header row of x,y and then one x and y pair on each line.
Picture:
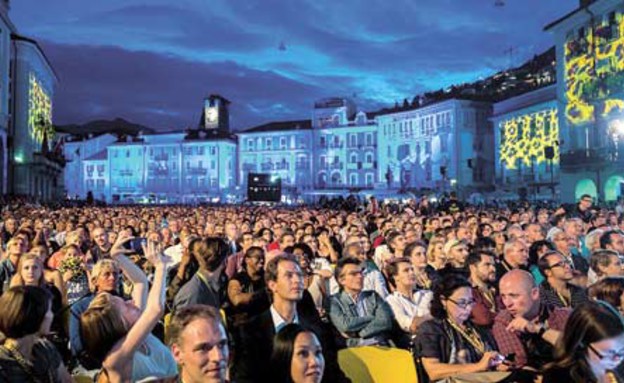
x,y
33,90
76,153
590,95
5,61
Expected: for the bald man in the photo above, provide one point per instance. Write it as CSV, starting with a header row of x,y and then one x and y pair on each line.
x,y
526,328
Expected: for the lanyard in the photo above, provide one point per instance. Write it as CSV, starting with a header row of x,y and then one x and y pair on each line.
x,y
470,335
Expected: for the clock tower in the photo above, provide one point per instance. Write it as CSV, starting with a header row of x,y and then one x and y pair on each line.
x,y
215,114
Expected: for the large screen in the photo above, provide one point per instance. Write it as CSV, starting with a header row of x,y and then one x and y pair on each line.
x,y
525,137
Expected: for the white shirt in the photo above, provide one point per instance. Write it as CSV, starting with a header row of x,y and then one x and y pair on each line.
x,y
278,321
405,310
375,281
175,252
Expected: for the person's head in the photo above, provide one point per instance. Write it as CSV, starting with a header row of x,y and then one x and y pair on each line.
x,y
585,202
100,237
519,294
555,267
416,252
107,319
354,250
105,276
534,232
606,263
452,298
456,252
253,260
15,247
516,253
613,240
231,231
26,310
435,251
297,355
41,252
400,272
396,242
29,271
284,278
610,290
349,275
199,344
591,342
246,240
71,251
482,266
287,239
539,248
210,253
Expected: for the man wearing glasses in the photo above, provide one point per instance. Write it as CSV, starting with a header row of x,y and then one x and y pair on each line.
x,y
363,318
527,328
557,290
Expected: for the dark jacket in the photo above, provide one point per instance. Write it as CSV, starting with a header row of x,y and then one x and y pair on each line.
x,y
252,356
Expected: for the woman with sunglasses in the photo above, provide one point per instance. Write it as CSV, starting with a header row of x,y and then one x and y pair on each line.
x,y
450,344
591,346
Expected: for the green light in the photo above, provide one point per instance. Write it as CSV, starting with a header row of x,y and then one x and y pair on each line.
x,y
19,158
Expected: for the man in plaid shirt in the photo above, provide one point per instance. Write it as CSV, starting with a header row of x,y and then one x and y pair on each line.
x,y
527,328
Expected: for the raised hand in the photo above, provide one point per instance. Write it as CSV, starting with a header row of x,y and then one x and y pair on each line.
x,y
118,246
154,254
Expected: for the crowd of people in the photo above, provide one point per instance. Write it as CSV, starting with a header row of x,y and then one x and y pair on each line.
x,y
272,294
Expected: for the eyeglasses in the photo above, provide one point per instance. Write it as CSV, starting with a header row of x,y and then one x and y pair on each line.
x,y
462,304
610,354
563,264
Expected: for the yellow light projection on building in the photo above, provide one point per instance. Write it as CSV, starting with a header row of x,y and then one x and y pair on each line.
x,y
594,72
524,138
39,111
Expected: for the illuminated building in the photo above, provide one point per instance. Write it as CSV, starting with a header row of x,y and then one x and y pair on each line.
x,y
78,152
590,93
526,136
442,146
30,162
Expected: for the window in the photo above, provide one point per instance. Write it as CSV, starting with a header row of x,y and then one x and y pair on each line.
x,y
443,143
369,179
283,143
353,179
427,147
268,144
213,164
353,140
200,150
100,184
250,145
323,141
369,139
213,150
322,161
353,158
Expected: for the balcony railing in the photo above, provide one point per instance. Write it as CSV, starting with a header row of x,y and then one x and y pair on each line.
x,y
161,157
282,166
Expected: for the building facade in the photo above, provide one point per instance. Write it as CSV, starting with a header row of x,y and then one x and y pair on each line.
x,y
526,138
590,97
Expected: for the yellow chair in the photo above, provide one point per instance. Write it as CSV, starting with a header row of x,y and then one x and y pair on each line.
x,y
373,364
82,379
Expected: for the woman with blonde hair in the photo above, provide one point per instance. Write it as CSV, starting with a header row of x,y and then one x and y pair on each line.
x,y
117,333
435,253
51,276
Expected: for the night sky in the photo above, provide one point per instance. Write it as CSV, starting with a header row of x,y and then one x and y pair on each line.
x,y
153,61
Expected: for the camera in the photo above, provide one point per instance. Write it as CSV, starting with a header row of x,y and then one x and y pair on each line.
x,y
136,244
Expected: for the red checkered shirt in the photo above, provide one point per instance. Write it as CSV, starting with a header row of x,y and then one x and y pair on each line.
x,y
509,342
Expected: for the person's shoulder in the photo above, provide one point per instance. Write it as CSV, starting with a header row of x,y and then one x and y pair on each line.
x,y
431,326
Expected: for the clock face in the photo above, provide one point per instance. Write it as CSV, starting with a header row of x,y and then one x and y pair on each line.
x,y
211,115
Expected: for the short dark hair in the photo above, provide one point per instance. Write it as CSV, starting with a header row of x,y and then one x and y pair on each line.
x,y
606,240
270,270
392,268
341,265
283,350
23,310
253,251
542,263
446,286
535,248
475,256
210,252
407,252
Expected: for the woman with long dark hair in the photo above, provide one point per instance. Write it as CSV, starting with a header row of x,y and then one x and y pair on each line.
x,y
297,356
591,345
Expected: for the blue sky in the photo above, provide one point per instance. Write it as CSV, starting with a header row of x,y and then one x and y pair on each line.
x,y
153,61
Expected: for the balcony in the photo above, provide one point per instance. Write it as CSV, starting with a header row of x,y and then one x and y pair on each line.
x,y
282,166
161,157
336,145
126,173
196,171
336,165
159,172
